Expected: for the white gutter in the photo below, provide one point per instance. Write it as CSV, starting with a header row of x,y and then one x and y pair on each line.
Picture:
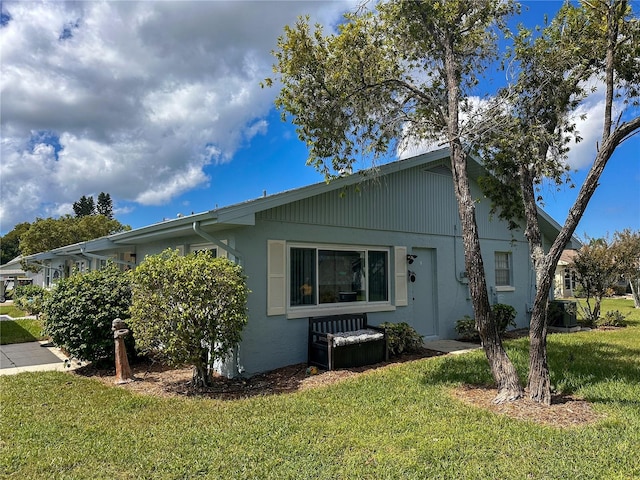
x,y
102,257
216,242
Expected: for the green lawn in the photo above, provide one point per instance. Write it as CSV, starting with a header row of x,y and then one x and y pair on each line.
x,y
20,331
398,422
13,312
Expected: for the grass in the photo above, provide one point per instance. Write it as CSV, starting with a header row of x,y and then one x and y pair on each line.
x,y
13,312
397,422
20,331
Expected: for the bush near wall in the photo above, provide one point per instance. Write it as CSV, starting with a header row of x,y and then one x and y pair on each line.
x,y
30,298
79,312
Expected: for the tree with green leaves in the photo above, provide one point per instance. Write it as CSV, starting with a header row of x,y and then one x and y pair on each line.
x,y
597,40
84,207
189,310
105,205
10,243
626,253
596,272
401,73
49,233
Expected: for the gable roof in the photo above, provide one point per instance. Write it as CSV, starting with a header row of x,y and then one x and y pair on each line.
x,y
244,213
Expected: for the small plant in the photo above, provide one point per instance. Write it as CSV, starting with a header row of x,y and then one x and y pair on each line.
x,y
466,328
612,319
504,316
402,338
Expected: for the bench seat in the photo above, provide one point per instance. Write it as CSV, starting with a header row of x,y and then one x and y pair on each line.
x,y
345,341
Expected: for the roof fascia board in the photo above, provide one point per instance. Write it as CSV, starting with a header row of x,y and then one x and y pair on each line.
x,y
178,225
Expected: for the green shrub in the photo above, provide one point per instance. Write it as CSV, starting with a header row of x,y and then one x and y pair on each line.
x,y
579,292
612,319
402,338
466,328
189,310
30,298
80,309
504,316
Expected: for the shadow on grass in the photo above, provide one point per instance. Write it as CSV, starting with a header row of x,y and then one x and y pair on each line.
x,y
591,364
588,365
13,331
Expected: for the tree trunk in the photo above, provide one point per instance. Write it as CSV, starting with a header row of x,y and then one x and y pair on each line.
x,y
539,383
539,380
201,372
503,371
635,291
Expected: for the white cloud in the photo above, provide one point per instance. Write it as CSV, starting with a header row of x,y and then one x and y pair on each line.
x,y
132,98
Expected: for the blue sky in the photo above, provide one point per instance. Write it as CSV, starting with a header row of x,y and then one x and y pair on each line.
x,y
159,104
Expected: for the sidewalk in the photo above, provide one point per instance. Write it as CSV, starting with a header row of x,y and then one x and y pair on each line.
x,y
32,357
450,346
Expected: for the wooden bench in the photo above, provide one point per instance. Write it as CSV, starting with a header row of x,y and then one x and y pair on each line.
x,y
345,341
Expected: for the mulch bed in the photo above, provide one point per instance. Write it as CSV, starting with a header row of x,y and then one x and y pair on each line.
x,y
153,378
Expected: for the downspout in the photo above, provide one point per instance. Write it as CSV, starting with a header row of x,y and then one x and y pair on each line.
x,y
218,243
229,367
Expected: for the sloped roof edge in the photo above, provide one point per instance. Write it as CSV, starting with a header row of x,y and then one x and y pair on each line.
x,y
240,213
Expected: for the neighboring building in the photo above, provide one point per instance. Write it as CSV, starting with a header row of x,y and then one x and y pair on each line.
x,y
12,275
565,281
387,244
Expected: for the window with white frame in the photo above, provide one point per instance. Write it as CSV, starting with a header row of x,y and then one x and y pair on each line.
x,y
504,277
333,275
570,280
203,247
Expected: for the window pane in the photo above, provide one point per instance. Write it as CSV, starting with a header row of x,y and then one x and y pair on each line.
x,y
503,269
378,277
303,276
341,276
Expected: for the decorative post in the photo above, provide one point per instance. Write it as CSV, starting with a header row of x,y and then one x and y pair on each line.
x,y
123,370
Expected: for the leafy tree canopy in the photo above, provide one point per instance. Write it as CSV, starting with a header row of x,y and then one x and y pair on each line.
x,y
105,205
626,252
84,207
10,243
48,233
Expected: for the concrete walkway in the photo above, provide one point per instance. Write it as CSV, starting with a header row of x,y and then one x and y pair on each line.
x,y
41,356
32,357
451,346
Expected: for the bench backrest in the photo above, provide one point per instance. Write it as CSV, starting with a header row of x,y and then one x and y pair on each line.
x,y
347,322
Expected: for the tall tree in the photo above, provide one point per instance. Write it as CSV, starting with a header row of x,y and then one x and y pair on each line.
x,y
10,243
403,71
626,252
84,207
599,39
48,233
105,205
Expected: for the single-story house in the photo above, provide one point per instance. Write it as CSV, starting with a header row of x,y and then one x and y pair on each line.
x,y
388,244
565,280
12,275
